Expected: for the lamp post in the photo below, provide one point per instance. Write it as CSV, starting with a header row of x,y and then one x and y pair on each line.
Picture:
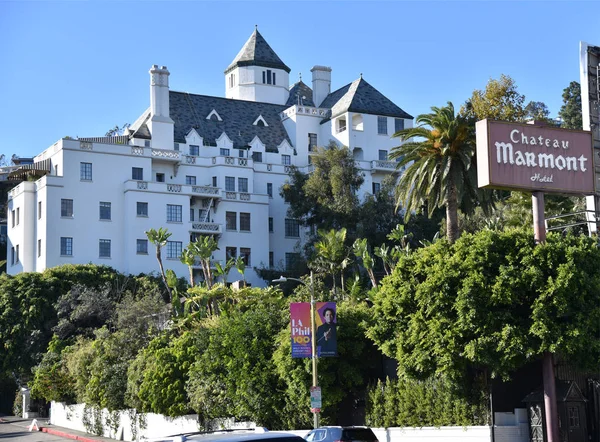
x,y
313,333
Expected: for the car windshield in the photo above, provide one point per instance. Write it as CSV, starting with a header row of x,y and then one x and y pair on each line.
x,y
358,434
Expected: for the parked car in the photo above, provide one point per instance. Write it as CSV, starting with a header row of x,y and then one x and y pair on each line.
x,y
251,435
341,434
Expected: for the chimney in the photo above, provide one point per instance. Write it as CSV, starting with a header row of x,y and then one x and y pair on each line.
x,y
159,91
160,125
321,83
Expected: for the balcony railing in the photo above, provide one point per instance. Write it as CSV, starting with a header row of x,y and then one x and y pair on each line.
x,y
206,228
183,189
384,165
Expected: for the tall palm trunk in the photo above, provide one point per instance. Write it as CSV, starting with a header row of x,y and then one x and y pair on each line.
x,y
162,270
452,213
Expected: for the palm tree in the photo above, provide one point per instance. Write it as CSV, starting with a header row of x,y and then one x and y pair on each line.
x,y
438,154
361,250
189,259
331,252
160,238
204,247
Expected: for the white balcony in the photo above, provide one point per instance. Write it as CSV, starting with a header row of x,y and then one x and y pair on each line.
x,y
385,166
206,228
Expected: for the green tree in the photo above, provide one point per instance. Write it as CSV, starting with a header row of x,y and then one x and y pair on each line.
x,y
158,375
570,111
361,251
499,101
537,110
327,197
332,253
491,302
235,375
438,154
160,238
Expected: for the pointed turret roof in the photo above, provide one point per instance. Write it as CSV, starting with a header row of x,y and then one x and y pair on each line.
x,y
300,94
359,96
257,52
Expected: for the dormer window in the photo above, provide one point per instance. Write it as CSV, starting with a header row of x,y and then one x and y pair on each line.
x,y
232,80
260,121
214,116
268,77
340,124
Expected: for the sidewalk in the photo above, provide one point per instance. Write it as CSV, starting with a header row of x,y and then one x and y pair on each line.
x,y
45,426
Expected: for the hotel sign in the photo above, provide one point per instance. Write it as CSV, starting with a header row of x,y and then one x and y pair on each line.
x,y
534,158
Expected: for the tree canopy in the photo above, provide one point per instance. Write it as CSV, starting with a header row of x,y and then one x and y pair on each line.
x,y
570,111
492,301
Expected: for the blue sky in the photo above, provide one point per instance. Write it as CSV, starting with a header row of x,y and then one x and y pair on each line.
x,y
79,68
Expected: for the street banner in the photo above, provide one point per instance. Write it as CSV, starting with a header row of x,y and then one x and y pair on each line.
x,y
300,327
326,323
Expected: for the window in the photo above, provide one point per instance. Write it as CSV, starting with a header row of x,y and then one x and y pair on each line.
x,y
398,124
66,208
176,147
39,248
244,222
13,217
231,220
66,246
190,180
85,171
242,184
270,190
240,153
286,160
268,77
230,184
376,188
203,215
573,417
230,253
146,143
104,211
160,177
173,213
142,209
214,181
194,150
18,215
270,224
137,173
340,124
191,214
257,157
39,210
382,125
245,255
312,142
383,155
142,247
224,152
17,254
12,256
174,249
271,260
104,248
290,260
292,228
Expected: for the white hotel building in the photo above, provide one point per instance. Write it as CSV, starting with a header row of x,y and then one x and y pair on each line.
x,y
197,165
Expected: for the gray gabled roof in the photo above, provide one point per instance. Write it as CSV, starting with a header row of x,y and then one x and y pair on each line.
x,y
189,111
257,52
360,97
300,94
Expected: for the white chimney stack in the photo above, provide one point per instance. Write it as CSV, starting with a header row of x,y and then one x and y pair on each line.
x,y
321,83
160,124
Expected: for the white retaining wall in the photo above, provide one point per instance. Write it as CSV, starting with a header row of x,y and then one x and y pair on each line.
x,y
510,427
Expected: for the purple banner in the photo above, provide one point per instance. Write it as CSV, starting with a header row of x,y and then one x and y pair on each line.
x,y
326,322
300,328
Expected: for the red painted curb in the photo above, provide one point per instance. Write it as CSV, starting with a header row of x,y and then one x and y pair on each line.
x,y
67,435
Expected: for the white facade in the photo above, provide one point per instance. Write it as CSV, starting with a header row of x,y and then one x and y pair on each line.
x,y
102,194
